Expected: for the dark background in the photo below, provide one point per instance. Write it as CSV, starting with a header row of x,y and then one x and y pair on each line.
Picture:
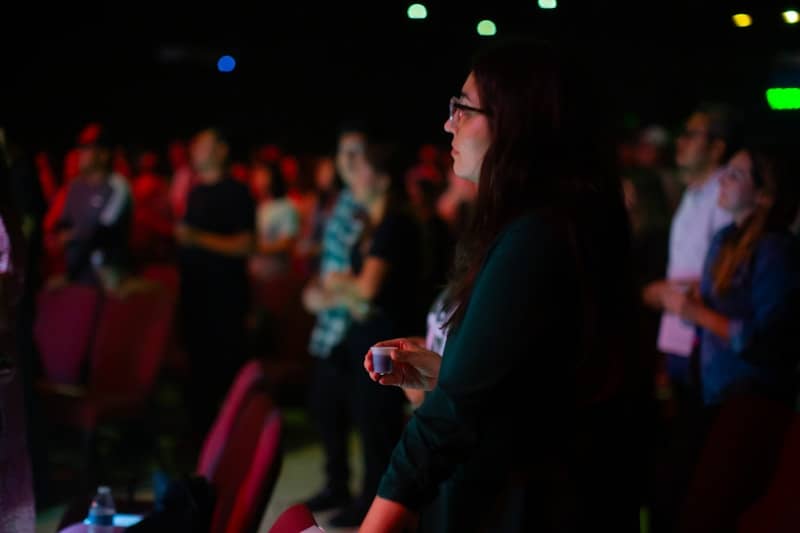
x,y
149,69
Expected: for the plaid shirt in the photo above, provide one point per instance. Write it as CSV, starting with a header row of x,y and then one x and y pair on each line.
x,y
341,232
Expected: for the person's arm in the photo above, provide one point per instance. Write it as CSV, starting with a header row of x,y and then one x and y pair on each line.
x,y
365,285
316,298
235,245
774,283
279,246
386,516
506,319
696,312
773,291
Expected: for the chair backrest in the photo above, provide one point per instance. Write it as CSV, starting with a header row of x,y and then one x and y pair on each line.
x,y
778,511
248,466
65,323
294,519
129,346
737,461
250,375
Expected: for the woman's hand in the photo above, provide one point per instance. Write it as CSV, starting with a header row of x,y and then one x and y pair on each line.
x,y
184,234
386,516
413,367
674,300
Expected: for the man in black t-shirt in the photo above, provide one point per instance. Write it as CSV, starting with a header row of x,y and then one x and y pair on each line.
x,y
215,238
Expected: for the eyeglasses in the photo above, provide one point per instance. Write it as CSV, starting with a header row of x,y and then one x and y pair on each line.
x,y
457,110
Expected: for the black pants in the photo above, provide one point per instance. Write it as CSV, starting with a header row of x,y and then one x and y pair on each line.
x,y
212,319
343,397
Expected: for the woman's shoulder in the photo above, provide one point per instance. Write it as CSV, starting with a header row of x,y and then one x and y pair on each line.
x,y
529,228
782,244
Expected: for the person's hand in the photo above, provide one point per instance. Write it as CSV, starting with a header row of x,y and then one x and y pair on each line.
x,y
184,234
335,280
314,298
652,294
413,366
674,300
419,341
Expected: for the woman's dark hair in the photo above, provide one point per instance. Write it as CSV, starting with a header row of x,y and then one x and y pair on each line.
x,y
388,160
550,149
277,183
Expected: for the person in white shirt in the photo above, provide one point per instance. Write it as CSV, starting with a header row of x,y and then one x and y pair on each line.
x,y
707,140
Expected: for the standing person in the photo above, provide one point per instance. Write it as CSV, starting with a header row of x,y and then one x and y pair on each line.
x,y
707,141
95,224
329,390
215,239
380,295
536,339
16,482
747,308
750,285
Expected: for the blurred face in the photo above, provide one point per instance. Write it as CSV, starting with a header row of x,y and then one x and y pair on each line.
x,y
470,131
693,147
206,151
367,186
260,182
92,159
737,192
325,174
349,155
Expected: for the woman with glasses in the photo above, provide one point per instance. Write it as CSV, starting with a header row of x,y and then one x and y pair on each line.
x,y
529,422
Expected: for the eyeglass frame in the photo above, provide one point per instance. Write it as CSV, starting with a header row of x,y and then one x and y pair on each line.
x,y
455,105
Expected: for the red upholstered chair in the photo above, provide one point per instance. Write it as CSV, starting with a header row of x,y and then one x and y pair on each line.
x,y
249,377
778,511
241,456
248,466
66,319
295,519
126,355
736,463
124,362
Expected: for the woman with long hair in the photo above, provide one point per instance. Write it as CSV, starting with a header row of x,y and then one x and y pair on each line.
x,y
747,306
381,295
536,344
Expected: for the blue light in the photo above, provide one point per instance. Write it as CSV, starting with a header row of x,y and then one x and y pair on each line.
x,y
226,64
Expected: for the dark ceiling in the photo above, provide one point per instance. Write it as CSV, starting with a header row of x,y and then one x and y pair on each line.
x,y
150,70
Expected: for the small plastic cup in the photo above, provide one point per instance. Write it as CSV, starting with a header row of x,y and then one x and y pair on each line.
x,y
382,359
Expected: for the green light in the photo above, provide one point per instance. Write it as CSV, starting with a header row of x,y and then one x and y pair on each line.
x,y
781,99
417,11
486,28
548,4
790,16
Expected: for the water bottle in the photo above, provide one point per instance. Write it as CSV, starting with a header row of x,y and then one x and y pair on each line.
x,y
101,512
